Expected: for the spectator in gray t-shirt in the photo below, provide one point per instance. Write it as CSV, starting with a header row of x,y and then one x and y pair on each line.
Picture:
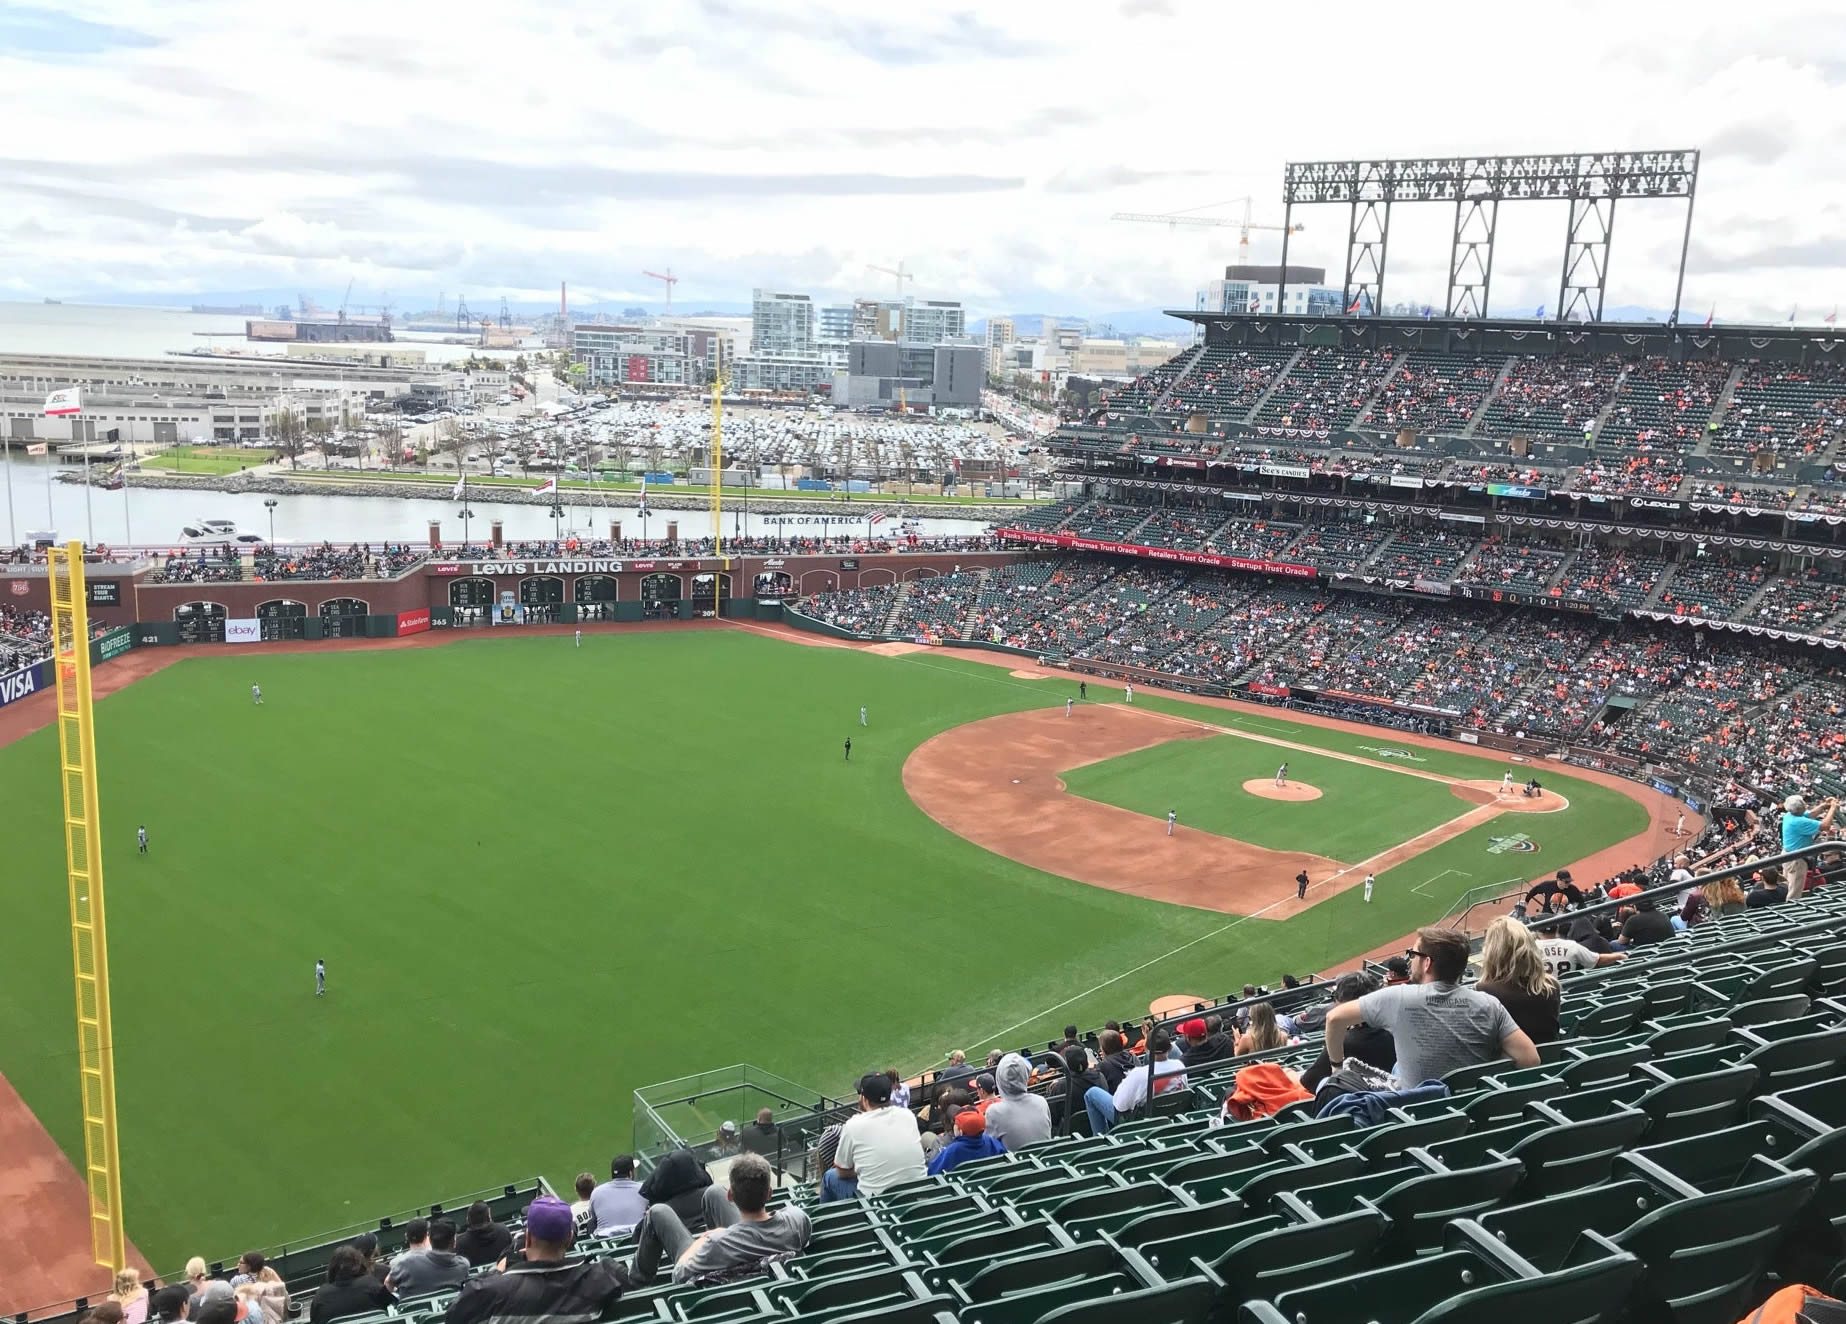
x,y
744,1236
1436,1024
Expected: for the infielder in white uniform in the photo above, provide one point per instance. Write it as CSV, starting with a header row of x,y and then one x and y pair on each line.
x,y
1368,886
1172,818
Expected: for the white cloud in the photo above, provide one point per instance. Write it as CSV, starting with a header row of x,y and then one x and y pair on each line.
x,y
420,146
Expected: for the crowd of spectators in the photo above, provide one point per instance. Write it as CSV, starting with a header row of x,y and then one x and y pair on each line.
x,y
1512,563
1635,475
1227,382
1803,601
855,610
25,637
1338,545
200,565
1712,587
354,561
1550,396
1326,389
1422,554
1434,392
1491,471
1338,648
1749,496
1787,409
1247,632
1664,406
1621,576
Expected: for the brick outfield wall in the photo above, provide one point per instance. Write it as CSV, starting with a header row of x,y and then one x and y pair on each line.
x,y
427,586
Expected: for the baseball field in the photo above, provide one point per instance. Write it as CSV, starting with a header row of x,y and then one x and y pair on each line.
x,y
542,875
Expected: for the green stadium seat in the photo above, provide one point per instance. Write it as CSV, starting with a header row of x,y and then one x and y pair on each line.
x,y
1572,1155
1829,969
1684,1034
1780,981
1270,1263
1498,1107
1210,1176
1702,1254
1479,1146
1416,1209
1716,1160
1185,1302
1381,1143
1259,1190
1086,1217
1022,1273
1790,1063
1158,1236
1044,1198
1769,1009
1413,1294
1272,1139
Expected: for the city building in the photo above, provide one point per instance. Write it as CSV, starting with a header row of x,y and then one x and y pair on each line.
x,y
835,322
781,324
780,373
889,372
932,321
877,319
615,356
1253,289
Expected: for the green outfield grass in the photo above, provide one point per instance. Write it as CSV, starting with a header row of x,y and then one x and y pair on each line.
x,y
1362,811
542,876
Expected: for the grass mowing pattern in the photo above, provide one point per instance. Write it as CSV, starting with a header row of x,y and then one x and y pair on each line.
x,y
1362,811
542,876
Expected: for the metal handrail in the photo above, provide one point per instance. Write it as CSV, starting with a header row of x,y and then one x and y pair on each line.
x,y
1674,889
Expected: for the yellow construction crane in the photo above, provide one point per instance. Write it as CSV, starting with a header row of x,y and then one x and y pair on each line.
x,y
1172,220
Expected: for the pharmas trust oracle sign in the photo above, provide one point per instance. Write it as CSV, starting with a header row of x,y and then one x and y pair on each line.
x,y
413,622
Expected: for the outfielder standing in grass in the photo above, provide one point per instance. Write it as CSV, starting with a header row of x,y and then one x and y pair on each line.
x,y
1368,886
849,749
141,839
320,978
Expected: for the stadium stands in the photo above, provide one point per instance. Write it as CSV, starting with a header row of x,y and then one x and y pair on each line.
x,y
1527,567
1790,411
1434,392
1227,383
1550,397
1325,389
1663,406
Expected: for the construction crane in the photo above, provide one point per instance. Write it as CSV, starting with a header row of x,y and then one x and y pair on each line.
x,y
1178,218
464,320
345,299
669,280
506,315
897,272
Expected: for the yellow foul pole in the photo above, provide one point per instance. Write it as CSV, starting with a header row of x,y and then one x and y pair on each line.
x,y
83,853
717,468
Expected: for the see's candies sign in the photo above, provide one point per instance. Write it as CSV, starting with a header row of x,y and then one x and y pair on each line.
x,y
413,622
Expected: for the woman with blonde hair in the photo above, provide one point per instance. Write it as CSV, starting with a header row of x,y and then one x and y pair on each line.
x,y
1723,897
197,1280
1513,970
1264,1034
130,1295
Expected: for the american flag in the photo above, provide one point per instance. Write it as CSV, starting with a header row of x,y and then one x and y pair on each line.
x,y
876,519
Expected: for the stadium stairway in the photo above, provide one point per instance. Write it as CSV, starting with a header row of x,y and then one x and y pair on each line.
x,y
904,590
1185,371
1274,386
1487,400
1384,382
1721,408
967,624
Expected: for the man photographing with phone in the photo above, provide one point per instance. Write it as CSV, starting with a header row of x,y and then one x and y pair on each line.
x,y
1799,832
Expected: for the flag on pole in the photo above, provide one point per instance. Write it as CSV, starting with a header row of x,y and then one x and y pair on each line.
x,y
1711,316
1357,299
644,494
1541,312
1792,312
67,401
549,487
41,449
1832,315
876,519
461,485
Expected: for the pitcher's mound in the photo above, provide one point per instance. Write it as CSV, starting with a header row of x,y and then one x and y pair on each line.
x,y
1291,790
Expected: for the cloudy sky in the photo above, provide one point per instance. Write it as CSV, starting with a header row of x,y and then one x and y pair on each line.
x,y
193,145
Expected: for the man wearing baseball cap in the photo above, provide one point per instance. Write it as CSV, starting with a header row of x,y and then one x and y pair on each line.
x,y
541,1285
1202,1045
880,1146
